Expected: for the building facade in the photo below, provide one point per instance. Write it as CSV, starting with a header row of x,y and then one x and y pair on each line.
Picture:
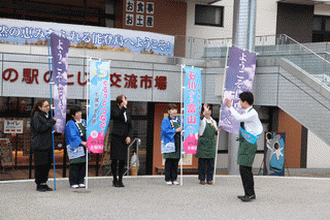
x,y
24,68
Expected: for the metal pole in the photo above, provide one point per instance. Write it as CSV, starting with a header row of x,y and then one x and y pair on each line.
x,y
220,111
51,110
181,116
87,108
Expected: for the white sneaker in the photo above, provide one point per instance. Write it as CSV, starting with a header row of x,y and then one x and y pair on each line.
x,y
168,183
75,186
175,183
81,185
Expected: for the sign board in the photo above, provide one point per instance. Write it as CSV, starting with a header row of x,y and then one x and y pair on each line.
x,y
13,127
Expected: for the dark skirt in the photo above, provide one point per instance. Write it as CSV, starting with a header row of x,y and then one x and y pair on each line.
x,y
43,157
118,148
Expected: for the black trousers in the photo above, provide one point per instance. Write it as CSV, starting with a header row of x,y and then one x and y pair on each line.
x,y
171,169
41,173
205,168
247,179
77,173
121,167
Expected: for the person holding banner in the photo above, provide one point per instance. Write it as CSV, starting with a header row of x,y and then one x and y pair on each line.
x,y
121,137
250,130
206,146
75,137
170,144
41,142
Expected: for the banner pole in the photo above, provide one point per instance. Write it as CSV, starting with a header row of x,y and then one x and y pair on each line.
x,y
51,109
220,111
87,112
181,116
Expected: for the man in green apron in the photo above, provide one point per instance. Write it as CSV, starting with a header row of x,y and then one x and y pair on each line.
x,y
250,130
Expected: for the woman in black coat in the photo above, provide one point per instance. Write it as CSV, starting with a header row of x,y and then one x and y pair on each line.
x,y
41,142
121,137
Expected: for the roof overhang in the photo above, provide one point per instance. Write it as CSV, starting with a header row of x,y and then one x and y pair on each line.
x,y
200,1
306,2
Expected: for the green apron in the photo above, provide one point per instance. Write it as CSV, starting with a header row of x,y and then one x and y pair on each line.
x,y
176,154
246,152
206,142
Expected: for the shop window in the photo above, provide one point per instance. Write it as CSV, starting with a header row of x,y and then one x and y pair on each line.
x,y
209,15
317,23
321,28
327,24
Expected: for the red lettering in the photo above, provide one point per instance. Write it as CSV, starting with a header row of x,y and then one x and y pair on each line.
x,y
47,77
80,78
10,71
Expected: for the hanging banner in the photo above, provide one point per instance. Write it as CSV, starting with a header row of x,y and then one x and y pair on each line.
x,y
22,32
274,153
59,51
192,108
100,105
240,76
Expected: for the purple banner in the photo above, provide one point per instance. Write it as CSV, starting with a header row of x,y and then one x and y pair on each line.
x,y
60,49
240,76
192,108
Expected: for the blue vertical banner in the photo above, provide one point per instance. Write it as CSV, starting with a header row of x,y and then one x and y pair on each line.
x,y
100,105
60,59
192,108
240,76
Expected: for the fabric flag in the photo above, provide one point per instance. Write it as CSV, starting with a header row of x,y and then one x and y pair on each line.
x,y
240,76
100,101
192,108
59,52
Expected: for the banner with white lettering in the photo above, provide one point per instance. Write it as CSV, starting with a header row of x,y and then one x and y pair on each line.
x,y
240,76
21,32
192,108
60,59
100,105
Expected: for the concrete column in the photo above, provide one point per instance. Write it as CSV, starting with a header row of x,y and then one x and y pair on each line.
x,y
243,38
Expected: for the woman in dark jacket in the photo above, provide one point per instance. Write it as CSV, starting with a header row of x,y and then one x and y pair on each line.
x,y
41,142
121,137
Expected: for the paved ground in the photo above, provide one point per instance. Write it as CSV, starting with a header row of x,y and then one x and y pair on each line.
x,y
148,197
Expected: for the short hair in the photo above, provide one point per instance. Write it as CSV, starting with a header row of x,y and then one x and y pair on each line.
x,y
171,106
208,105
119,99
74,110
247,96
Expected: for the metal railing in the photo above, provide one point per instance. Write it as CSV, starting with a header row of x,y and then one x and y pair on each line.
x,y
279,46
129,156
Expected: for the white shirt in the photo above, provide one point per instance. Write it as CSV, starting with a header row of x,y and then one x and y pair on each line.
x,y
252,123
203,125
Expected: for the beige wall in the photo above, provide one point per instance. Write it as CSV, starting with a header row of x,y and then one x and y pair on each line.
x,y
265,22
322,10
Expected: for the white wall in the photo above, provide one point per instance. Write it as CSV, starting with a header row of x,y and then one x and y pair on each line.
x,y
318,152
207,32
322,10
266,17
265,22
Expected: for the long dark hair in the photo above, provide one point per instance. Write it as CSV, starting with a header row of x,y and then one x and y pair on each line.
x,y
39,103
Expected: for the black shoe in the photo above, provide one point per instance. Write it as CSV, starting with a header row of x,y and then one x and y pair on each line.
x,y
41,188
47,188
247,198
115,183
120,183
